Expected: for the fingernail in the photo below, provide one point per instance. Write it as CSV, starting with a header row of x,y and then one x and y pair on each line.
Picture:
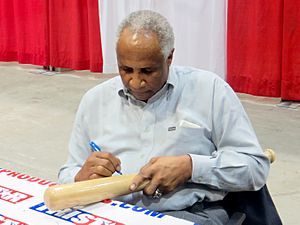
x,y
132,187
118,168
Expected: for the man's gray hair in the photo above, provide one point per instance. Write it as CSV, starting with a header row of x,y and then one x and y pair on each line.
x,y
150,21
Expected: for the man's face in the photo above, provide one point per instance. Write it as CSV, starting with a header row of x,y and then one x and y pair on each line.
x,y
142,66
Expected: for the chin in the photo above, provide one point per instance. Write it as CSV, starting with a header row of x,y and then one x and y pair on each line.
x,y
142,97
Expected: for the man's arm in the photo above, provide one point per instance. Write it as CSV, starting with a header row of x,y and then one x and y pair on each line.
x,y
238,162
78,148
82,163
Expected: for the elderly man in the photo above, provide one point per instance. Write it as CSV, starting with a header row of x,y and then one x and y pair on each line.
x,y
182,129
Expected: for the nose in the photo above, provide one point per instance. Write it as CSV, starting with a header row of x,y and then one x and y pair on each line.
x,y
136,83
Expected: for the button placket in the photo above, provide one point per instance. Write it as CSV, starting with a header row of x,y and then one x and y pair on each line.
x,y
147,131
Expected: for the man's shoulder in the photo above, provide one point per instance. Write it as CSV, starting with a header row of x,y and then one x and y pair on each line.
x,y
191,80
193,73
110,84
188,74
105,89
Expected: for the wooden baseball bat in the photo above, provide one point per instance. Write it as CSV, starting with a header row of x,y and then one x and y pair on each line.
x,y
270,154
90,191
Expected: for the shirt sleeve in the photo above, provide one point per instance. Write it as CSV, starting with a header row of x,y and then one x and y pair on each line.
x,y
238,164
78,148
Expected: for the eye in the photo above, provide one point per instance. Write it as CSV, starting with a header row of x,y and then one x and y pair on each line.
x,y
146,71
127,69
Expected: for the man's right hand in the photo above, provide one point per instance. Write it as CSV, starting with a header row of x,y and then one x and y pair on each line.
x,y
97,165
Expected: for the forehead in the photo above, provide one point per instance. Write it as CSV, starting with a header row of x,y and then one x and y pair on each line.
x,y
140,39
141,44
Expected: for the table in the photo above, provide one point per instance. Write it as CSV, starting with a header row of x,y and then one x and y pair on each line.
x,y
21,203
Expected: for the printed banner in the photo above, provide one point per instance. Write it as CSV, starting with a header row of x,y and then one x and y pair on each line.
x,y
21,203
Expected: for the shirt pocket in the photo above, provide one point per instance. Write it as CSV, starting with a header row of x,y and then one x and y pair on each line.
x,y
187,124
190,138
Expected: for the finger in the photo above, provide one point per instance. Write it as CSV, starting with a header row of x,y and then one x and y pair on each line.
x,y
94,176
151,188
104,159
155,183
102,171
114,161
153,160
101,164
138,180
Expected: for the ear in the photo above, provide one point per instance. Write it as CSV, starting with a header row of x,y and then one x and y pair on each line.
x,y
170,57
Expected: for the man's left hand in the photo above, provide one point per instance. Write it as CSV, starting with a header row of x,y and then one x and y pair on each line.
x,y
165,173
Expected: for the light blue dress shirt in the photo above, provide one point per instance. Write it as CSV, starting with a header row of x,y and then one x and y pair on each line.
x,y
195,113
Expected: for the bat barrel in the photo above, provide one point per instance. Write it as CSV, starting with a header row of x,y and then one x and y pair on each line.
x,y
86,192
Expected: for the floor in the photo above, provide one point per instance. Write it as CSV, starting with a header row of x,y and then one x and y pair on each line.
x,y
37,110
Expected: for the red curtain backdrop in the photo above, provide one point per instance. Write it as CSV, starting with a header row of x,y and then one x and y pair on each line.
x,y
58,33
24,31
263,56
75,34
290,86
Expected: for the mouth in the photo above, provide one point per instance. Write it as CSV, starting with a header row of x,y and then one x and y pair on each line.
x,y
141,95
137,91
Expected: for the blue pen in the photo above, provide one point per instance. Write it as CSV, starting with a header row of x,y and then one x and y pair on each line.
x,y
96,148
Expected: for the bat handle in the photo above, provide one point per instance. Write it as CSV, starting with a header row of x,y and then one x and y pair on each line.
x,y
270,154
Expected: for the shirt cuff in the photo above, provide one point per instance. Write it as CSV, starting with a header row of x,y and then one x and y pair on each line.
x,y
67,177
202,168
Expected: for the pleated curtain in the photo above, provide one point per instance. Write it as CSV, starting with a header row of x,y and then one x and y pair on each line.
x,y
263,47
253,44
59,33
